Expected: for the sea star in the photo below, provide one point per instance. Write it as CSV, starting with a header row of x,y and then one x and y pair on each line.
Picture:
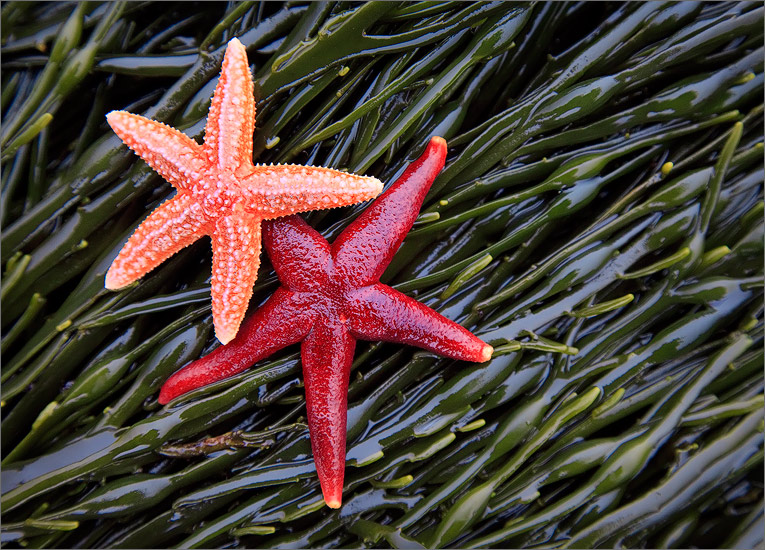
x,y
330,297
221,193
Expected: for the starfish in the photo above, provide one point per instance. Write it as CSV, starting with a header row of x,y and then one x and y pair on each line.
x,y
220,193
330,297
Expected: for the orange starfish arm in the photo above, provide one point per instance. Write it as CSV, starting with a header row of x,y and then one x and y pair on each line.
x,y
236,257
327,354
174,155
286,189
230,124
174,225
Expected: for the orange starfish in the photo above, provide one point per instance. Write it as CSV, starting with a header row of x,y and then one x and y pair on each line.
x,y
221,193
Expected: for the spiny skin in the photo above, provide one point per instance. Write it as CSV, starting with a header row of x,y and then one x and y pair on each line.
x,y
330,297
221,193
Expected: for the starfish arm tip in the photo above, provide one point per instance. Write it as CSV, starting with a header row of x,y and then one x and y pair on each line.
x,y
438,141
225,335
235,47
486,353
164,396
115,117
333,502
113,280
108,283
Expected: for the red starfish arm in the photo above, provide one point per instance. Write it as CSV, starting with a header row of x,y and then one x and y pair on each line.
x,y
236,258
378,312
327,354
173,154
283,320
172,226
231,120
300,255
283,189
367,246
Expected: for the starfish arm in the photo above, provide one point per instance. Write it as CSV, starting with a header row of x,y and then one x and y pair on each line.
x,y
236,258
366,247
300,256
327,354
172,226
378,312
283,320
231,120
280,190
173,154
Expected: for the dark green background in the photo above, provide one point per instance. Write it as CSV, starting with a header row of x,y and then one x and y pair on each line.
x,y
599,220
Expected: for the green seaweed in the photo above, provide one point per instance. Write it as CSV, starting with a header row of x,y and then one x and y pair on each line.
x,y
599,221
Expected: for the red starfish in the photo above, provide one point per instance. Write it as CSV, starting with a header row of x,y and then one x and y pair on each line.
x,y
331,296
221,193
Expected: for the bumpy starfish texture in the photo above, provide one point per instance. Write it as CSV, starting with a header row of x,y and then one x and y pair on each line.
x,y
330,297
220,193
